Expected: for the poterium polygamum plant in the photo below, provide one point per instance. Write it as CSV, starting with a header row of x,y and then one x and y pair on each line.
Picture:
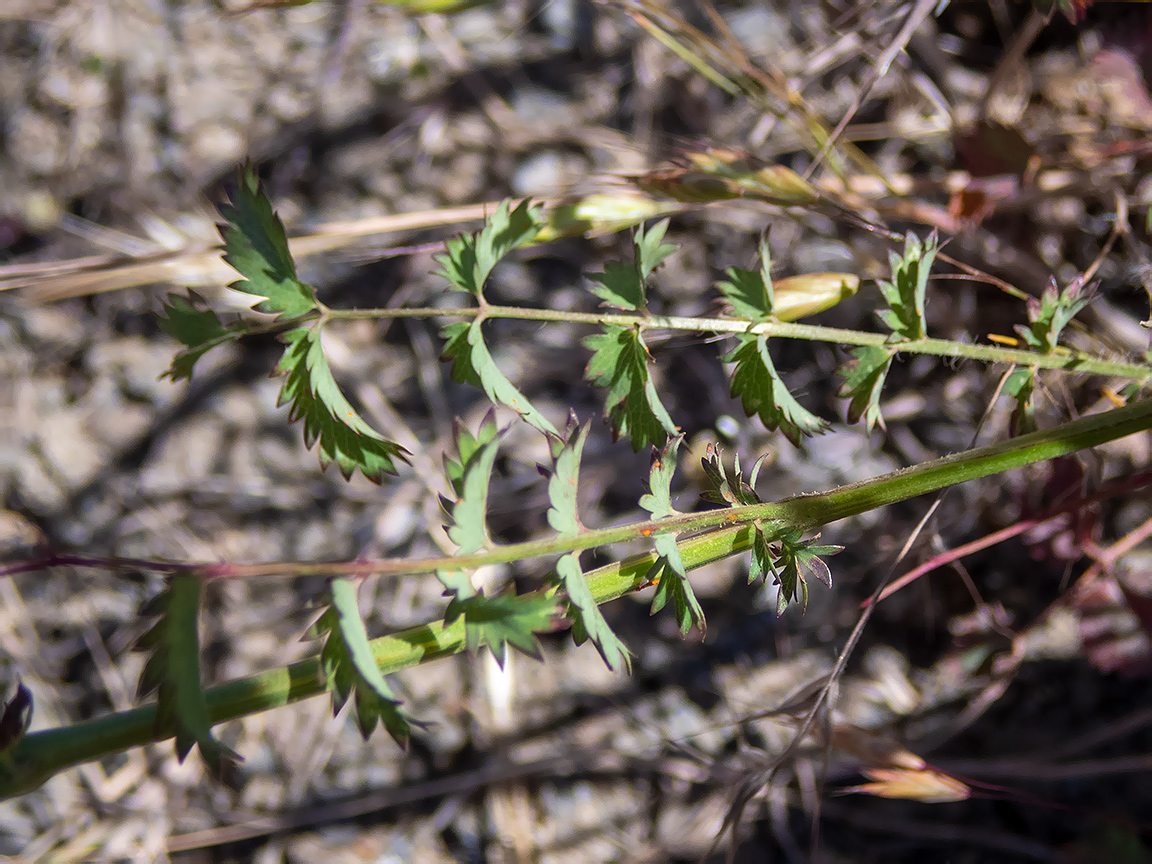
x,y
758,310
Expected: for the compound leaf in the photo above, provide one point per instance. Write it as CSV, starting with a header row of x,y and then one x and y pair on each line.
x,y
256,247
329,419
173,672
350,667
620,363
762,391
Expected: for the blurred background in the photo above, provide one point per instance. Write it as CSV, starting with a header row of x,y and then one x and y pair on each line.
x,y
1017,131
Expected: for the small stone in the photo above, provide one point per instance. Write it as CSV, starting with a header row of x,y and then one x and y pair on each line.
x,y
289,102
70,449
35,141
55,325
218,143
543,174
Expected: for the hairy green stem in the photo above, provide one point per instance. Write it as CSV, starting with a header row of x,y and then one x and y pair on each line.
x,y
42,754
1062,359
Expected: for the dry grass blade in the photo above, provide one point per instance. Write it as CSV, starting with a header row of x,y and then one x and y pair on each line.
x,y
916,16
731,70
201,266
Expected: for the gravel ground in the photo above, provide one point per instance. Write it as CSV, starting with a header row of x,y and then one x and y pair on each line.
x,y
122,124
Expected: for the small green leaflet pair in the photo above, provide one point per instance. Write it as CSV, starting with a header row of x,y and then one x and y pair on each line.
x,y
750,295
173,673
777,550
1048,315
503,619
515,619
905,295
173,670
620,358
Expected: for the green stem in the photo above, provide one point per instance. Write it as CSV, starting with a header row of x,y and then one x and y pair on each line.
x,y
42,754
1063,359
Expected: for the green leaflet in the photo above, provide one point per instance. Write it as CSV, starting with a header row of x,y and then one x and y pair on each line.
x,y
507,619
199,330
668,571
173,671
588,621
256,246
650,251
658,499
790,560
472,364
564,482
468,471
470,474
329,419
762,392
863,382
1021,386
456,583
563,485
906,293
350,667
1050,314
748,293
620,363
752,295
672,583
469,259
499,621
622,285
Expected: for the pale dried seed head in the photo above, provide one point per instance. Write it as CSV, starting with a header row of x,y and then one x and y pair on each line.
x,y
602,213
801,296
